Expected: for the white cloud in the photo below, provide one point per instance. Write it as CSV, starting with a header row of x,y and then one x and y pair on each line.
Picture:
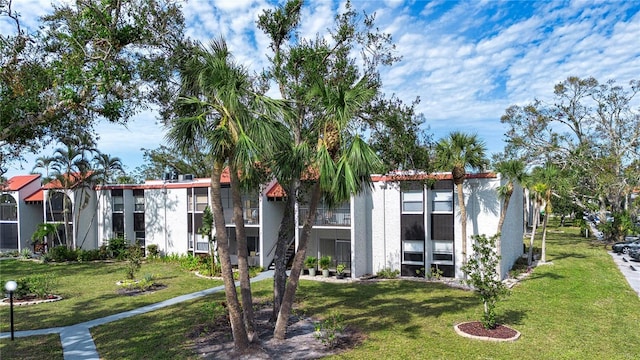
x,y
468,61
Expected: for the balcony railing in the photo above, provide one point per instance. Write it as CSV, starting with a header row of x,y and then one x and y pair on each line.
x,y
326,217
251,216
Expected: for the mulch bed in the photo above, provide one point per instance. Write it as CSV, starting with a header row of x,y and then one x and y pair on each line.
x,y
476,328
135,292
213,340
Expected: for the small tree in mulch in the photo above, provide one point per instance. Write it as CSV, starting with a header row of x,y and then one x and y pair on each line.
x,y
482,274
133,256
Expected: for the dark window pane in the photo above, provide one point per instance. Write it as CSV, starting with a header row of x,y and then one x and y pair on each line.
x,y
442,257
9,236
414,257
118,223
413,227
442,226
138,222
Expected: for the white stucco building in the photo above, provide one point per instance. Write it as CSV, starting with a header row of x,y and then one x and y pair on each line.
x,y
408,222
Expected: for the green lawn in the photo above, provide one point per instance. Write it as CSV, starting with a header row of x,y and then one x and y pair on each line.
x,y
89,291
580,307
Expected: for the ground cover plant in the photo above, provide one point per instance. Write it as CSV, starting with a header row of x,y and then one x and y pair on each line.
x,y
578,306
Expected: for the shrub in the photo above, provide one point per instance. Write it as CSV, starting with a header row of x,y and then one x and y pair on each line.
x,y
25,253
91,255
117,248
387,273
40,285
133,255
189,262
482,272
61,254
328,330
152,250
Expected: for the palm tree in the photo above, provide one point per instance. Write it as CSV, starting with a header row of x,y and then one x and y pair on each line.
x,y
537,189
456,153
513,171
344,165
550,178
45,163
106,168
234,122
71,169
103,170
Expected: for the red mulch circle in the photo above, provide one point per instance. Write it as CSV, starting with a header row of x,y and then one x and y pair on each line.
x,y
476,328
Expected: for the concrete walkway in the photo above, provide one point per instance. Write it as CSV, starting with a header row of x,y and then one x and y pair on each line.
x,y
77,343
630,268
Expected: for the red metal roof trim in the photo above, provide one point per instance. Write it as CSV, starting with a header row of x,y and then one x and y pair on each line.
x,y
424,176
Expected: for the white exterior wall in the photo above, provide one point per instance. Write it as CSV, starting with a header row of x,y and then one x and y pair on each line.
x,y
29,215
271,213
512,231
105,225
85,224
384,218
359,233
166,220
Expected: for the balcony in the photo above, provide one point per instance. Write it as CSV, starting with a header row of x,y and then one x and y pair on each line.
x,y
326,217
251,216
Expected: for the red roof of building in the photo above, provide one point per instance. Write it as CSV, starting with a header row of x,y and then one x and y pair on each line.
x,y
277,191
74,178
37,196
18,182
407,176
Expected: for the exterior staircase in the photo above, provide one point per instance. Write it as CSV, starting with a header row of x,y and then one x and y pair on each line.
x,y
291,251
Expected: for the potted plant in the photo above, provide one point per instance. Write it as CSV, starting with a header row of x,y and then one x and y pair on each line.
x,y
340,271
324,263
310,263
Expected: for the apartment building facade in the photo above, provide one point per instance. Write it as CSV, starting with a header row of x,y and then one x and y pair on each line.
x,y
406,221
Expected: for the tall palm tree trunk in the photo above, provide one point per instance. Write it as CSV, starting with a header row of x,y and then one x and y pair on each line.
x,y
280,330
243,255
503,215
68,236
536,215
240,339
285,234
463,220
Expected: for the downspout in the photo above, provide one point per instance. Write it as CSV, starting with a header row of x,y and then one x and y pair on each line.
x,y
166,241
384,221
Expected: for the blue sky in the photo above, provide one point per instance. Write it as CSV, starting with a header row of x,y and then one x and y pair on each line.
x,y
466,60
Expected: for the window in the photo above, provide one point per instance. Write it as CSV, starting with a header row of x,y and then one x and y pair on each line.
x,y
118,224
253,245
8,208
442,201
138,227
412,201
138,196
413,252
117,200
442,251
55,205
202,199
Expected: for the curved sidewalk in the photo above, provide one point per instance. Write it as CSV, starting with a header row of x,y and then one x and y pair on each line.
x,y
76,340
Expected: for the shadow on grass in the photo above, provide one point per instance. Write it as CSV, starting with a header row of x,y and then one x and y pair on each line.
x,y
511,317
565,255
